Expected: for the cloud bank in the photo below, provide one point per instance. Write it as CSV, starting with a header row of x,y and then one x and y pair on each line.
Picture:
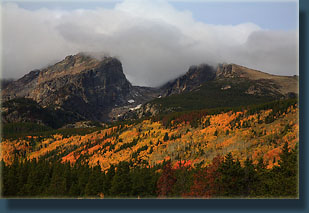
x,y
154,41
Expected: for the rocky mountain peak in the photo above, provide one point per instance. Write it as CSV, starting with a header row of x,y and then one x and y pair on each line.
x,y
192,79
92,88
76,64
275,84
229,71
237,71
200,73
79,83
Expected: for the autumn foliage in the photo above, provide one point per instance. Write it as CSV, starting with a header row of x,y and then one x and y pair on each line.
x,y
188,143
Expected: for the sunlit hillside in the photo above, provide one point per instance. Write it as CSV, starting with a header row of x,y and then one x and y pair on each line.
x,y
243,133
233,153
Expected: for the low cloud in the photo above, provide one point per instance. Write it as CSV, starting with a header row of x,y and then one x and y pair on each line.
x,y
154,41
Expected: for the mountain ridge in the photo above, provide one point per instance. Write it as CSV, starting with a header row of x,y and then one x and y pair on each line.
x,y
97,89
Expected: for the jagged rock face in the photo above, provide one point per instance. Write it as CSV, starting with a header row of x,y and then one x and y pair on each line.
x,y
227,71
79,83
191,80
195,77
84,88
137,97
261,82
228,77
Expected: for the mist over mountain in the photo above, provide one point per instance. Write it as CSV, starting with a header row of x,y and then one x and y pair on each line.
x,y
5,82
81,84
154,40
149,99
84,87
84,111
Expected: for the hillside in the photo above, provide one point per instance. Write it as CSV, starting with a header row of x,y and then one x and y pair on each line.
x,y
180,151
229,86
244,133
79,128
278,84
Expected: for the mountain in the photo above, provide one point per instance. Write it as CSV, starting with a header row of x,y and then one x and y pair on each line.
x,y
87,87
208,131
195,77
25,110
229,85
5,82
261,82
81,88
79,83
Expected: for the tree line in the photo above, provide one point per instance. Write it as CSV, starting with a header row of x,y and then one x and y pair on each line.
x,y
224,177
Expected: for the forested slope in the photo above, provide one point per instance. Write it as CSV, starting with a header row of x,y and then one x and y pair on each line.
x,y
189,147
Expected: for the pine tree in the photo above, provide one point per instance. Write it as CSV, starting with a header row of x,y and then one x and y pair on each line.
x,y
144,182
288,171
250,177
58,183
121,185
95,182
108,180
10,179
184,180
83,172
261,187
231,181
282,180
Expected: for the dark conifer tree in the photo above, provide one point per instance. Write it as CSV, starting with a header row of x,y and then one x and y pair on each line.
x,y
184,180
250,178
58,182
108,180
144,182
231,180
287,172
121,184
165,137
95,182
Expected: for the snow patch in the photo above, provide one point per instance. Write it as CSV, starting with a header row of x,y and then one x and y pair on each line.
x,y
135,108
131,101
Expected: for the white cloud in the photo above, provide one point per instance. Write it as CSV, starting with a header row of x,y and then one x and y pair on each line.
x,y
154,41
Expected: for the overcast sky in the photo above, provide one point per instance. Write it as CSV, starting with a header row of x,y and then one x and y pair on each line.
x,y
155,40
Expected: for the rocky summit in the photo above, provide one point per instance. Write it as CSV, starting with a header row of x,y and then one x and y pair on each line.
x,y
275,85
84,88
81,84
195,77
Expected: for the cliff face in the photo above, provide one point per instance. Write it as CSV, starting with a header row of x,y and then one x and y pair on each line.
x,y
98,84
228,85
80,84
86,88
261,83
195,77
